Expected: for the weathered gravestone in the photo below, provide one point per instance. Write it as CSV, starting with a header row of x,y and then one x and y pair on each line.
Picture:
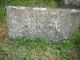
x,y
54,24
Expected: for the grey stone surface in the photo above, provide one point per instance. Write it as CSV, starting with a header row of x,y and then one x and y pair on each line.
x,y
54,24
74,2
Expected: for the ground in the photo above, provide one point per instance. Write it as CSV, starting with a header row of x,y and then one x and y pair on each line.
x,y
34,49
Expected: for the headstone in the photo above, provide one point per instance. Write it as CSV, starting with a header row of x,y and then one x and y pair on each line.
x,y
54,24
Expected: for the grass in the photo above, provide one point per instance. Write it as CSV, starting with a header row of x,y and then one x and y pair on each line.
x,y
37,48
34,49
32,3
40,49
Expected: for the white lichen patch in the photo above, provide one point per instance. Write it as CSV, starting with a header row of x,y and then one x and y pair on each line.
x,y
41,9
21,7
74,10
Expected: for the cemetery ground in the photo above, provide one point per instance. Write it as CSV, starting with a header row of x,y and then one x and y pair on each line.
x,y
36,48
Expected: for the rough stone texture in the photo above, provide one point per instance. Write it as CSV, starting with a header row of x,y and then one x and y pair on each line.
x,y
73,2
54,24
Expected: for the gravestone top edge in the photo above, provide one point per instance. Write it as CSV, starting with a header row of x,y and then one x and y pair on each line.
x,y
36,8
42,9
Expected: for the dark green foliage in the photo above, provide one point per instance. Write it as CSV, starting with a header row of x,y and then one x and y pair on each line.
x,y
39,3
75,39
